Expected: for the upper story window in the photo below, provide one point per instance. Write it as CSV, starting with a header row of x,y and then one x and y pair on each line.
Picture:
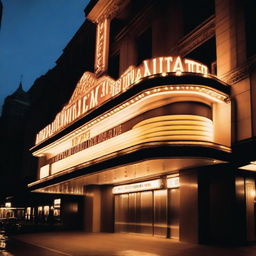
x,y
195,12
113,66
144,46
114,54
250,27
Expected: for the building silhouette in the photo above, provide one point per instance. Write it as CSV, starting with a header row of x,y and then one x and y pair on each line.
x,y
14,113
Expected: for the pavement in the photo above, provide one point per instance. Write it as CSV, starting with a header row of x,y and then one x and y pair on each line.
x,y
108,244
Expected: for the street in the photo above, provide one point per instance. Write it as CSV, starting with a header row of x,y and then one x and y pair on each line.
x,y
105,244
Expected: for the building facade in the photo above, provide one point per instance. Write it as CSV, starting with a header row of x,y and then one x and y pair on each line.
x,y
158,138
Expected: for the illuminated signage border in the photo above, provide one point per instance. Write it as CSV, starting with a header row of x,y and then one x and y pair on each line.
x,y
135,187
102,39
92,92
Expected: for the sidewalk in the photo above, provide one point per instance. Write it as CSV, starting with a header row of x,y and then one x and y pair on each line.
x,y
105,244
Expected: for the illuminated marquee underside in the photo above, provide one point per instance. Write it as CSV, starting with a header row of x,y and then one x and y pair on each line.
x,y
96,139
173,127
162,129
92,92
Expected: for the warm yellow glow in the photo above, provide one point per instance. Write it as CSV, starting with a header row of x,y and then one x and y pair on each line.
x,y
8,204
150,130
252,193
147,185
135,252
46,209
57,203
173,182
44,171
176,127
102,42
92,91
249,167
89,130
161,192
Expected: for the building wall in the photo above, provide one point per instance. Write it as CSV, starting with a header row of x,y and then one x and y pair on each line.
x,y
216,201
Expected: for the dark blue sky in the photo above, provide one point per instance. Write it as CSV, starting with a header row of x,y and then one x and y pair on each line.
x,y
32,37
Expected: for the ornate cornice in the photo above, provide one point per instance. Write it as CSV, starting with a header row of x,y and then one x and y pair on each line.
x,y
240,73
102,13
197,37
106,9
236,75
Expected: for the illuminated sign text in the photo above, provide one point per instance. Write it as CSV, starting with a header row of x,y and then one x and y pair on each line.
x,y
92,92
113,132
101,58
147,185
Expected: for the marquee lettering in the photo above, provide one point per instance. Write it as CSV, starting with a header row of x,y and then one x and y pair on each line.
x,y
92,92
84,141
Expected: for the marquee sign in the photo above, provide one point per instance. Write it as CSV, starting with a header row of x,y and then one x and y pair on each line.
x,y
92,92
102,39
87,143
141,186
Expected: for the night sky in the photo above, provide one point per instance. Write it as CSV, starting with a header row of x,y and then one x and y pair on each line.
x,y
32,36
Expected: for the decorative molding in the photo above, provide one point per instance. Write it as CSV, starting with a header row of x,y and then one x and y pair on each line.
x,y
106,9
197,37
102,13
113,10
102,46
234,76
240,73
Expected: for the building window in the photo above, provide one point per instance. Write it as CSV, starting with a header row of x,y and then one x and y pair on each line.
x,y
195,12
250,27
113,66
144,46
206,53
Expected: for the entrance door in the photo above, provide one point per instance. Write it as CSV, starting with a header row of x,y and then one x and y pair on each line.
x,y
173,212
132,213
121,213
146,213
160,212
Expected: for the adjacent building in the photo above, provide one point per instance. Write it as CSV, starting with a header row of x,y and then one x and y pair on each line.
x,y
152,131
14,114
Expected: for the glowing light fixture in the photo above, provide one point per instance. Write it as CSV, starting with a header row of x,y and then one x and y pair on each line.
x,y
44,171
8,204
173,182
249,167
57,203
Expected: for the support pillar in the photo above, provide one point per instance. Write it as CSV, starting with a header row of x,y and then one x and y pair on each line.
x,y
99,209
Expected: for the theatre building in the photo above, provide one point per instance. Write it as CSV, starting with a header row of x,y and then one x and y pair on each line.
x,y
159,138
